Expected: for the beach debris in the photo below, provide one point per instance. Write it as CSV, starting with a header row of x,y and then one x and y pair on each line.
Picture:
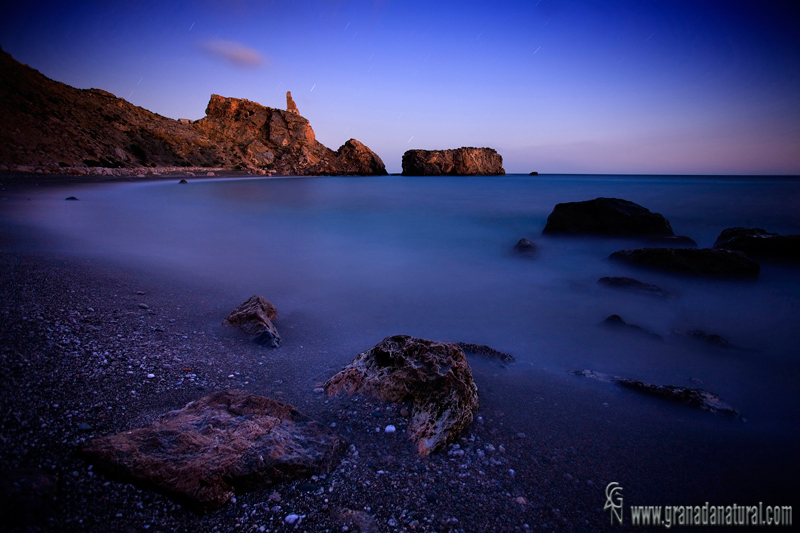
x,y
486,351
254,317
758,243
705,262
434,377
606,216
224,442
698,398
616,322
634,285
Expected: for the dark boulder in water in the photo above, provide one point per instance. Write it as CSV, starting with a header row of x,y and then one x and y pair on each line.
x,y
698,398
758,243
525,247
634,285
183,181
672,241
254,317
694,262
71,198
616,322
606,216
486,351
711,339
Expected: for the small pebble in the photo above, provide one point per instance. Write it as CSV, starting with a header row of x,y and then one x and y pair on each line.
x,y
144,306
291,519
150,376
390,429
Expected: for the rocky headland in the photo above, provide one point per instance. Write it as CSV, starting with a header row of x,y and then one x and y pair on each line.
x,y
53,128
466,161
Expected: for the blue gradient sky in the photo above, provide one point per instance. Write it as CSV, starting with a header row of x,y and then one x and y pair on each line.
x,y
685,87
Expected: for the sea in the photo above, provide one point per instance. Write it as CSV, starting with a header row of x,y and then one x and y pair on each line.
x,y
363,258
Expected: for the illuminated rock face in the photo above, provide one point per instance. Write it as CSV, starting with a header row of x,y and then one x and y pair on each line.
x,y
227,441
459,162
56,126
434,377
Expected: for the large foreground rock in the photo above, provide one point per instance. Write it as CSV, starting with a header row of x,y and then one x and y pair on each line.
x,y
698,398
694,262
606,216
227,441
254,317
434,376
465,161
758,243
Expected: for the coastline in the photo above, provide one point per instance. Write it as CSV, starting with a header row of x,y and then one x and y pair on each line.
x,y
62,313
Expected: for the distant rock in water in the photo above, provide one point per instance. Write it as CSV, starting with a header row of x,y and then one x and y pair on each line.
x,y
672,241
71,198
694,262
254,317
525,247
486,351
634,285
616,322
698,398
711,339
225,442
183,181
58,126
434,376
606,216
533,174
760,244
465,161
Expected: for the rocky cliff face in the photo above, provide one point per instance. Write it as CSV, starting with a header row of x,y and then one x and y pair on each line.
x,y
52,125
458,162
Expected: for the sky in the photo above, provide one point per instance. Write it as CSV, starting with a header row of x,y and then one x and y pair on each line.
x,y
555,86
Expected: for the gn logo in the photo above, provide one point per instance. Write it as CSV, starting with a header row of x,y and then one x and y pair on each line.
x,y
614,501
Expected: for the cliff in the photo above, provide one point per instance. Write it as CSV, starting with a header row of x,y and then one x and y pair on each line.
x,y
50,125
459,162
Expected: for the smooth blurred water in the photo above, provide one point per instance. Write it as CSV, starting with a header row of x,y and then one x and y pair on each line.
x,y
432,257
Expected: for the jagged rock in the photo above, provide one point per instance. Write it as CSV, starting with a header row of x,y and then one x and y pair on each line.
x,y
758,243
224,442
606,216
699,398
466,161
672,241
254,317
634,285
291,107
616,322
525,247
486,351
712,339
695,262
434,376
60,126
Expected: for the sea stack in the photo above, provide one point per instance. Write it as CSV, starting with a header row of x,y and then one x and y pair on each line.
x,y
291,107
466,161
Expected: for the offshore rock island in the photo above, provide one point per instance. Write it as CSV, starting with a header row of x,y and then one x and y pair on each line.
x,y
55,128
466,161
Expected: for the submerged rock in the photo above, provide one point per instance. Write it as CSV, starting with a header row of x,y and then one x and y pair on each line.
x,y
227,441
606,216
254,317
525,247
616,321
698,398
466,161
634,285
672,241
434,376
712,339
758,243
486,351
694,262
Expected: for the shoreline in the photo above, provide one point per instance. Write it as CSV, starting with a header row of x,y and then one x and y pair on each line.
x,y
76,343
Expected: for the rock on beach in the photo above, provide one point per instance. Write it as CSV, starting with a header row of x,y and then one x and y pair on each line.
x,y
254,317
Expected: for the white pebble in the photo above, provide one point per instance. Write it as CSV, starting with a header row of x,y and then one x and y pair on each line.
x,y
150,376
291,519
390,429
511,471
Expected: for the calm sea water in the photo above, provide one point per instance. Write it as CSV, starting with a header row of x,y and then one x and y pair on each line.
x,y
432,257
